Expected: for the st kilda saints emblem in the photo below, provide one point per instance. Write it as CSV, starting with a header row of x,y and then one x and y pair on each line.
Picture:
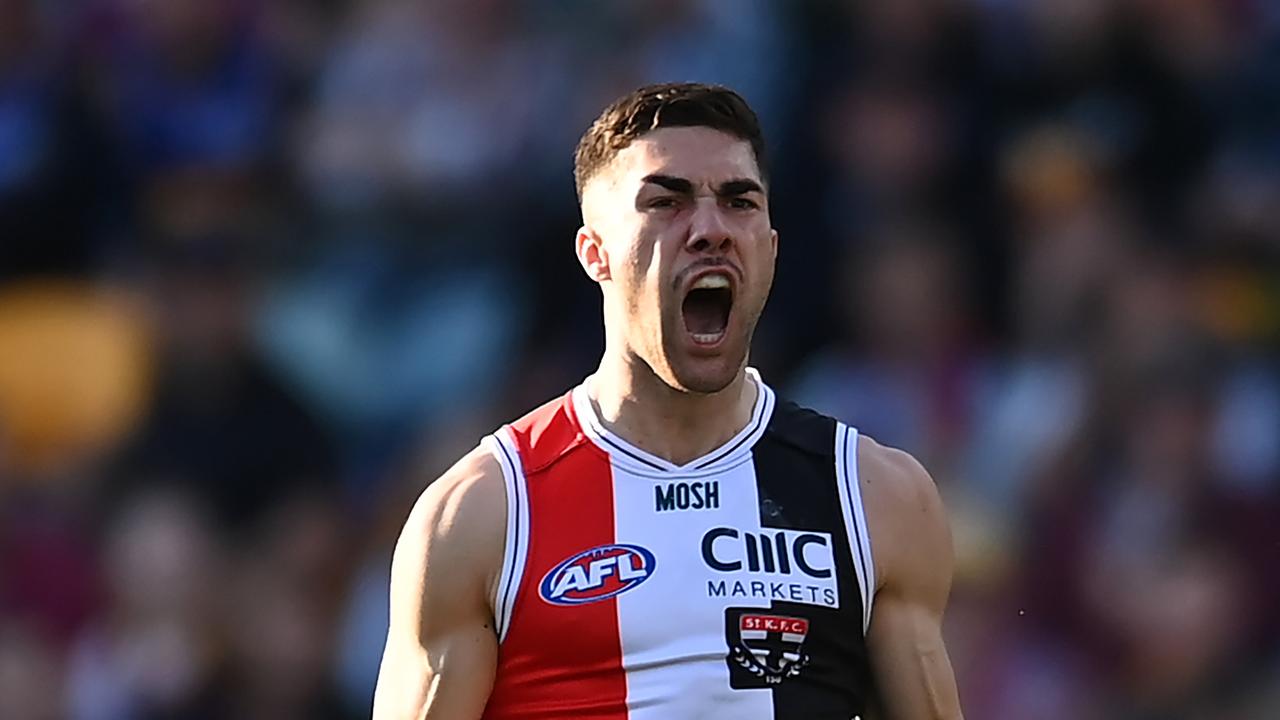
x,y
765,648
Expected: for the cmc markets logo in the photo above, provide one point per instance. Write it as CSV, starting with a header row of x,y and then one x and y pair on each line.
x,y
597,574
768,564
768,552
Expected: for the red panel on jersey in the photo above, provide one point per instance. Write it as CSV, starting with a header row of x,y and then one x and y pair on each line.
x,y
549,432
562,660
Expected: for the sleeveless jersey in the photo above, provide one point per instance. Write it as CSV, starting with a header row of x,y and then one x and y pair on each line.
x,y
736,586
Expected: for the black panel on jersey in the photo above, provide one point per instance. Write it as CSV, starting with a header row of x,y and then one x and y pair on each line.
x,y
796,481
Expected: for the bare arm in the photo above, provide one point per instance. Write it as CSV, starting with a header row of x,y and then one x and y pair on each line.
x,y
911,542
441,647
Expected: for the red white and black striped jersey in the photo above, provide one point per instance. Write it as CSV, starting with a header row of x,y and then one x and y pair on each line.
x,y
735,586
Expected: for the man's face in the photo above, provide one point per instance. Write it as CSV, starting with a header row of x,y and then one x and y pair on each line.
x,y
677,232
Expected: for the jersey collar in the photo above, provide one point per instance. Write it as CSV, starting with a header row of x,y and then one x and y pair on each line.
x,y
623,453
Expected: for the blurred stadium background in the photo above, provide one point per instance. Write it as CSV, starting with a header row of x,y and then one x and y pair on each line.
x,y
268,266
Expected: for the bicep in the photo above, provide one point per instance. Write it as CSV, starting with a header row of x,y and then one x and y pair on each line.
x,y
913,672
448,675
914,551
441,648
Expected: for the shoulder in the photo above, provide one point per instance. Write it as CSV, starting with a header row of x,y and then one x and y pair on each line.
x,y
471,490
897,482
455,531
910,537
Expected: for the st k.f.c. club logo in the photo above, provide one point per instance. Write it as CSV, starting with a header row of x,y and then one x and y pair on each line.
x,y
765,648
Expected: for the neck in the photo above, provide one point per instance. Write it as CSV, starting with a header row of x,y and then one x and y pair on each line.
x,y
673,424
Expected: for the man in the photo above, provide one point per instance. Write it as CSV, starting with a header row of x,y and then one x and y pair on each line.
x,y
669,540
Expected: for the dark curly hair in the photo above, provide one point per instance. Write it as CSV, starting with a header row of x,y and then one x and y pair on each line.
x,y
667,105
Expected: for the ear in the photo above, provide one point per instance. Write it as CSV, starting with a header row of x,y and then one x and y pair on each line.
x,y
592,255
773,240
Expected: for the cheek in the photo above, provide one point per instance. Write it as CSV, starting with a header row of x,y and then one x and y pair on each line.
x,y
764,260
635,270
636,280
648,261
761,246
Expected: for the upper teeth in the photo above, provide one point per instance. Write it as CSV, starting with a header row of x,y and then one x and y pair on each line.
x,y
711,282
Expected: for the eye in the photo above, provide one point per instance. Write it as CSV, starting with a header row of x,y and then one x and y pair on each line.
x,y
663,202
741,203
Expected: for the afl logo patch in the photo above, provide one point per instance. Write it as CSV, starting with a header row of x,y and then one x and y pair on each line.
x,y
597,574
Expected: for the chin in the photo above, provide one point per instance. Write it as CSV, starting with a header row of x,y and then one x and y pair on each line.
x,y
685,366
704,375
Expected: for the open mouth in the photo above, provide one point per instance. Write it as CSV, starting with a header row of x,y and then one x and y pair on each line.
x,y
706,309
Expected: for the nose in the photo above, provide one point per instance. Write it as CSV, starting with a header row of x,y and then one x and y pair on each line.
x,y
708,231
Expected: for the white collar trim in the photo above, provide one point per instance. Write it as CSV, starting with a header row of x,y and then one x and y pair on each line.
x,y
729,454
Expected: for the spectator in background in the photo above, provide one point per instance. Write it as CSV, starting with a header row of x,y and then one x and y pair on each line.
x,y
1069,237
203,623
74,377
281,615
222,424
185,96
413,157
639,42
182,83
904,366
423,103
44,223
1156,601
154,651
888,139
30,674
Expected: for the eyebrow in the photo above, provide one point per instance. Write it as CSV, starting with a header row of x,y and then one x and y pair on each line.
x,y
729,188
670,182
740,186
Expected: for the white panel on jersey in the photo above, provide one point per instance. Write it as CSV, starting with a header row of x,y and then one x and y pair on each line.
x,y
855,519
516,548
673,615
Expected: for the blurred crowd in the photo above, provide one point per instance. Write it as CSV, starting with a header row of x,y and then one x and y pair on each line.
x,y
268,266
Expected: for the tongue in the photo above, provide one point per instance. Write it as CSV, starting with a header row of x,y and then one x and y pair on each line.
x,y
704,314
